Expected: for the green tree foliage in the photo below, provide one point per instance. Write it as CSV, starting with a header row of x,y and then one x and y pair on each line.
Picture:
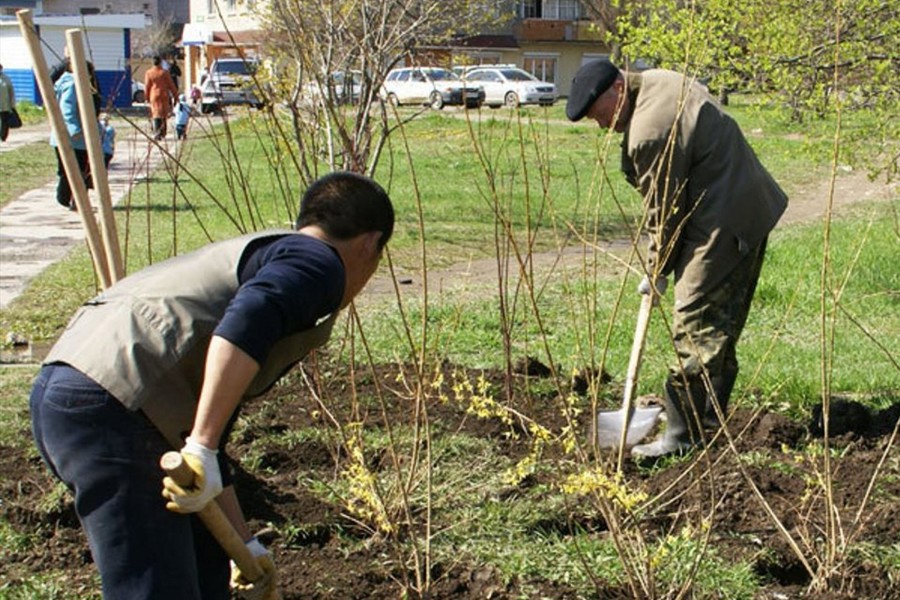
x,y
813,56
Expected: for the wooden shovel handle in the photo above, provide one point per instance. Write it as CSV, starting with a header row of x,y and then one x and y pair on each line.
x,y
214,519
637,350
634,367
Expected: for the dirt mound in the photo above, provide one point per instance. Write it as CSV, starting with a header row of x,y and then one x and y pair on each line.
x,y
323,552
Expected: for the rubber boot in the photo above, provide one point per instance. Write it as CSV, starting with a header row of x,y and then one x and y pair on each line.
x,y
722,386
682,432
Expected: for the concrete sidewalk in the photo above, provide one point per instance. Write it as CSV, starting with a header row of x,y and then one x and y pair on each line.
x,y
31,134
35,231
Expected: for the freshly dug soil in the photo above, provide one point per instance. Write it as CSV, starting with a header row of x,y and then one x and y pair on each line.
x,y
309,535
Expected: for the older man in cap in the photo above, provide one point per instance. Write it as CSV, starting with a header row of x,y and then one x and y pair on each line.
x,y
710,207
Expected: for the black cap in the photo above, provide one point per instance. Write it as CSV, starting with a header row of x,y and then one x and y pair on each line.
x,y
591,80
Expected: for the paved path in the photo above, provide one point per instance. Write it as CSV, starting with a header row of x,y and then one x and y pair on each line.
x,y
35,231
26,135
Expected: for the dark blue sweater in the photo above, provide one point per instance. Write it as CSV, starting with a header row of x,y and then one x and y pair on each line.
x,y
287,285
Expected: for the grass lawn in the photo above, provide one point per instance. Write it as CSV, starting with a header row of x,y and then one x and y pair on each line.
x,y
547,180
522,229
28,167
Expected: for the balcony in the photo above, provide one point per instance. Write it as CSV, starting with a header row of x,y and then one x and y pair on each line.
x,y
585,31
542,30
553,30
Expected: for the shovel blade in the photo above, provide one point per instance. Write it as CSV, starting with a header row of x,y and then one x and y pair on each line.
x,y
610,423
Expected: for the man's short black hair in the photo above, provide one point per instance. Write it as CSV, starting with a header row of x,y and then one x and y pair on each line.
x,y
345,205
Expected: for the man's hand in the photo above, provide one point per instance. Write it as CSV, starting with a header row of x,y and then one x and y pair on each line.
x,y
644,288
207,480
266,587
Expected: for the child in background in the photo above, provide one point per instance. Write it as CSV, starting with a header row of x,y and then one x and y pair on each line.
x,y
107,139
182,117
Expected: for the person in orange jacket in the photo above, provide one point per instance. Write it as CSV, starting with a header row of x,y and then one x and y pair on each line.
x,y
161,92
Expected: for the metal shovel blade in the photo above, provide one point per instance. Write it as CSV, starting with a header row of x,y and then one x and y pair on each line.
x,y
611,423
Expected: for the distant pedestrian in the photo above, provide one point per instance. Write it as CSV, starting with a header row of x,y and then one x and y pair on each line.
x,y
160,92
68,106
8,114
183,112
107,139
174,71
64,66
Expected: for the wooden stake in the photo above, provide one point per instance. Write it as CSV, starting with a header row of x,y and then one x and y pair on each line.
x,y
95,153
64,145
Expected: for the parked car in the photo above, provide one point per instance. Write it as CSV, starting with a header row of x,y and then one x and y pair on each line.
x,y
461,70
430,85
511,86
339,90
229,82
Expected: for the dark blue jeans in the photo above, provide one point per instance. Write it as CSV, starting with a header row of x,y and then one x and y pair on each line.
x,y
109,457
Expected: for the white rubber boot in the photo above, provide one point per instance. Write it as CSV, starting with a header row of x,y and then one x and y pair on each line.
x,y
682,433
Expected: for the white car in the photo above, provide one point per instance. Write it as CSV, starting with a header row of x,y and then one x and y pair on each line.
x,y
511,86
434,86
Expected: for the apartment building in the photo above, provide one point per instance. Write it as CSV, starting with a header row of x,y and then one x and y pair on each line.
x,y
550,39
171,11
107,39
219,28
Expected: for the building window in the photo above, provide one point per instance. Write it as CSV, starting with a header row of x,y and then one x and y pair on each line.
x,y
587,57
226,6
563,10
567,10
542,67
89,11
530,9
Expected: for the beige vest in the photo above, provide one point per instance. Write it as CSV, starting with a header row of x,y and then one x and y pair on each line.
x,y
144,340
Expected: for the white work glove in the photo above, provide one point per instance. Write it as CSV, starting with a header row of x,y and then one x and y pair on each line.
x,y
207,480
264,588
644,288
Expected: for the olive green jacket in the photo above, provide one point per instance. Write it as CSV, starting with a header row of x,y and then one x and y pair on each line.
x,y
144,340
709,200
7,93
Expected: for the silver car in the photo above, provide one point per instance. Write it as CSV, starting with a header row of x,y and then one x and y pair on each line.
x,y
229,82
434,86
511,86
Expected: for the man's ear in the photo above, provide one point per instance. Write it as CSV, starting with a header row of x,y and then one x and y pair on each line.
x,y
371,240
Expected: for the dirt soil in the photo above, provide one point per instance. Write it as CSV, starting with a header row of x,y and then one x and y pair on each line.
x,y
312,538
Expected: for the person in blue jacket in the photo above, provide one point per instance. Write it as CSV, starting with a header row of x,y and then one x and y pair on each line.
x,y
68,105
182,117
107,139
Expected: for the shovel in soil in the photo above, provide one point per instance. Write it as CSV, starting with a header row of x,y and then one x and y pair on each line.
x,y
626,427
